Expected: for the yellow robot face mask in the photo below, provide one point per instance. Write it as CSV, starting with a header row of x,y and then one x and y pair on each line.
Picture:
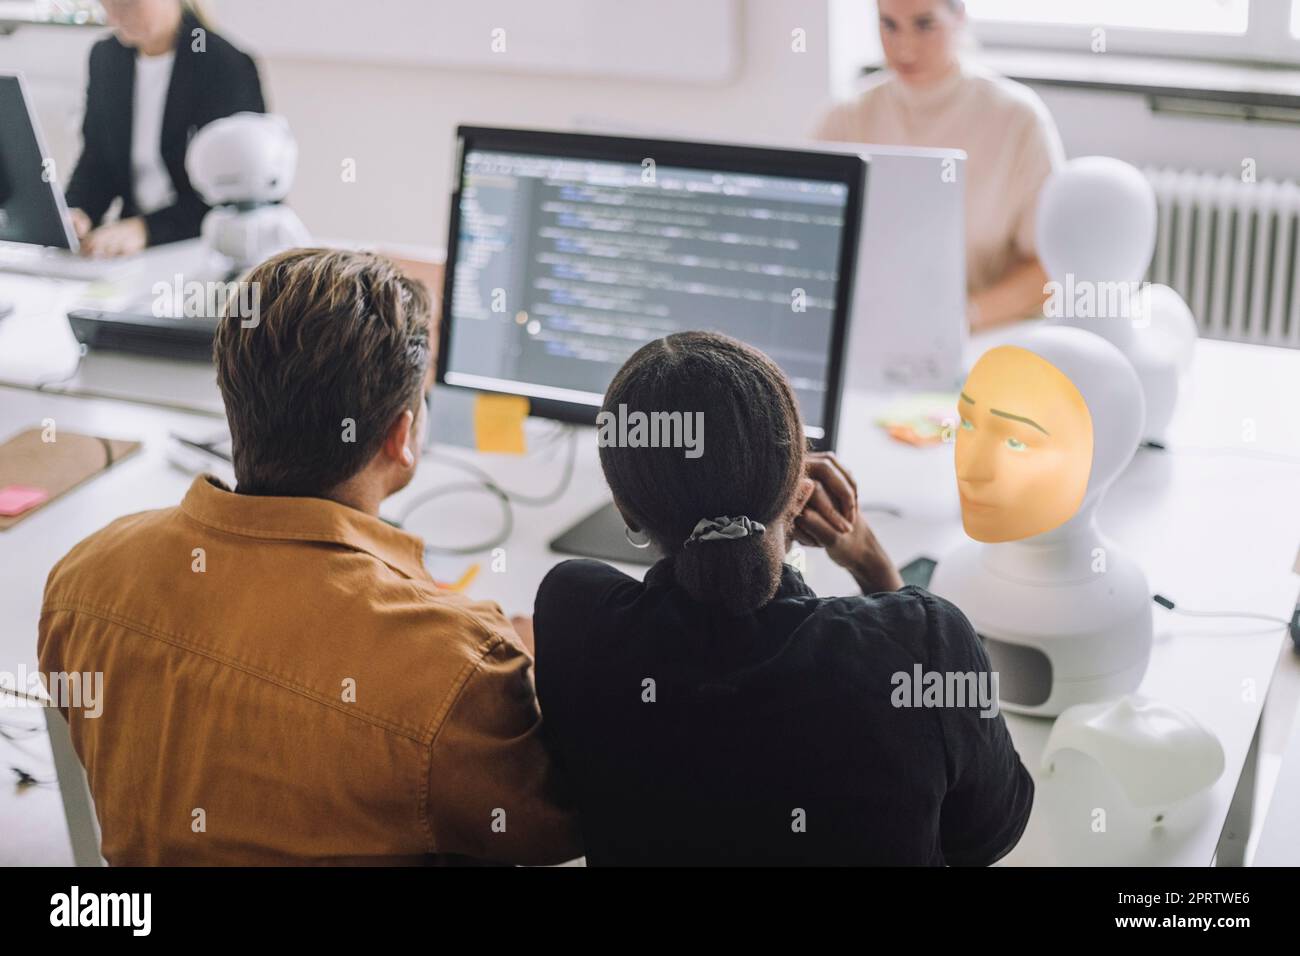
x,y
1024,446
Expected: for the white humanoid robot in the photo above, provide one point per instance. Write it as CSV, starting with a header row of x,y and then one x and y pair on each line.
x,y
242,166
1048,422
1096,233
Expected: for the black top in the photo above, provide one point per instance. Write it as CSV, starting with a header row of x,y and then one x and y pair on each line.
x,y
206,84
692,738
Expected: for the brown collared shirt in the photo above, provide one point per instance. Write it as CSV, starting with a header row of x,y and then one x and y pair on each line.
x,y
284,683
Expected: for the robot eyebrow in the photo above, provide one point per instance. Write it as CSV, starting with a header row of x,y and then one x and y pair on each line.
x,y
967,398
1019,418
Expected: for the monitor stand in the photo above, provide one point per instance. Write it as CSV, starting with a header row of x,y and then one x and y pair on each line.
x,y
602,535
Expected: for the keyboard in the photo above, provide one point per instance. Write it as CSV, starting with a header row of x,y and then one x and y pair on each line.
x,y
60,263
188,339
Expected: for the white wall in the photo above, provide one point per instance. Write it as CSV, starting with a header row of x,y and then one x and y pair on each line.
x,y
397,123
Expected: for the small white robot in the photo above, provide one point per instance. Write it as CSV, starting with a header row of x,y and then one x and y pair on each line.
x,y
243,166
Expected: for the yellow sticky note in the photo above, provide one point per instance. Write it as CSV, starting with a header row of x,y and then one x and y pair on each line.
x,y
499,423
463,582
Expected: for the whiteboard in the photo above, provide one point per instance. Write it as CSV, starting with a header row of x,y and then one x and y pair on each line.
x,y
688,41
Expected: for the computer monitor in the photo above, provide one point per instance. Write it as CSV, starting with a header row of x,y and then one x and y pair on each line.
x,y
908,328
568,251
32,209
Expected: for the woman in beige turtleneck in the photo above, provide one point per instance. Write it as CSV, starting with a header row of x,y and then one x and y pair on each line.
x,y
929,97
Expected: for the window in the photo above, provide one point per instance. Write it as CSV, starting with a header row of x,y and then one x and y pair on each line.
x,y
69,12
1256,30
1185,16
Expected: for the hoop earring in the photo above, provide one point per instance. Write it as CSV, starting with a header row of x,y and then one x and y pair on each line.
x,y
640,546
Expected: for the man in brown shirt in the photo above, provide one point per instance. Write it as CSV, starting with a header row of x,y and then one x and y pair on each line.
x,y
283,681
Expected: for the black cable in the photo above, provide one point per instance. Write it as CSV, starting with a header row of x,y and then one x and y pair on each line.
x,y
16,732
507,516
207,447
552,496
26,779
486,483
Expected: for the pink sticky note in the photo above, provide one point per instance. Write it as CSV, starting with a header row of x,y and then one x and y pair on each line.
x,y
15,499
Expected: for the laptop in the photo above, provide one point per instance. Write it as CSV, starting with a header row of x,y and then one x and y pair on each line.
x,y
36,235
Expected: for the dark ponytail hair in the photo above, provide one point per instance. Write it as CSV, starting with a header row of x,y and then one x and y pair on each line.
x,y
752,460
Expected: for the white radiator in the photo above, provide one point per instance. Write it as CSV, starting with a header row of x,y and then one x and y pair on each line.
x,y
1230,249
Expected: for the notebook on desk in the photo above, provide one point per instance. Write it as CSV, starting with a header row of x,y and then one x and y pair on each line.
x,y
34,471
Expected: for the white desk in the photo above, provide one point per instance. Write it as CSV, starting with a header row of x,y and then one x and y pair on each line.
x,y
1279,841
1215,521
37,347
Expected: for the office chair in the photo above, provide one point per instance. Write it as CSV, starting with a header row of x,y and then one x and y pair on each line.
x,y
78,805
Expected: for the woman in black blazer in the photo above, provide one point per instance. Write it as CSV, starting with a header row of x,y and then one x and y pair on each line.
x,y
156,81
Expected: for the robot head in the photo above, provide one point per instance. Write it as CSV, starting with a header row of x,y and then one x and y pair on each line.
x,y
1096,220
244,158
1047,424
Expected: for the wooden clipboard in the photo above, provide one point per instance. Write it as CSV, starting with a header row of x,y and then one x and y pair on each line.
x,y
56,466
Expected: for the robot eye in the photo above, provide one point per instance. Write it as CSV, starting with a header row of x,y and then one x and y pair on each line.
x,y
1015,444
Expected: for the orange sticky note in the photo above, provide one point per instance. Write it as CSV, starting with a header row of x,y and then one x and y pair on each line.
x,y
499,423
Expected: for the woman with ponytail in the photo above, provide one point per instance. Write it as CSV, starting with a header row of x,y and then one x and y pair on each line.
x,y
720,713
